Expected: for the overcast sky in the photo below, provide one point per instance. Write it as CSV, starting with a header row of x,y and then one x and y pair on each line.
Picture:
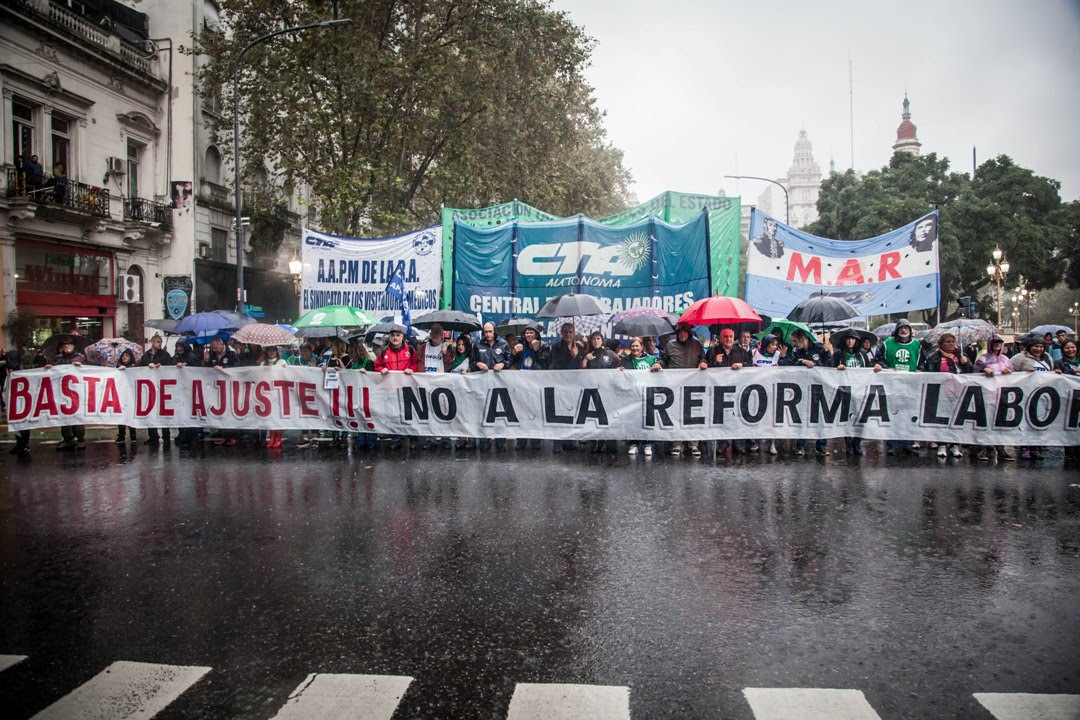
x,y
698,89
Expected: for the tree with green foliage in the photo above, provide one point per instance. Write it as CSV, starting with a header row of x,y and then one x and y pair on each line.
x,y
415,105
1004,206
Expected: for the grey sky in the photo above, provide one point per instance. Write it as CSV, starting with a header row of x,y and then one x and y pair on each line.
x,y
698,89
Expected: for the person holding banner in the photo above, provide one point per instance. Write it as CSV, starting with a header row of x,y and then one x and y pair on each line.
x,y
360,359
154,358
900,352
849,353
271,358
1069,364
73,436
221,357
490,353
1032,359
600,357
565,355
727,354
948,358
530,354
126,360
434,358
397,356
766,354
685,351
638,360
462,354
808,354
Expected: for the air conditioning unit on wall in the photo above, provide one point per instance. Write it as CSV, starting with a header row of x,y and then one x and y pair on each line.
x,y
116,165
131,289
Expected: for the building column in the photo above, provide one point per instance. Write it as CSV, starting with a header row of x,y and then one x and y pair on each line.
x,y
7,279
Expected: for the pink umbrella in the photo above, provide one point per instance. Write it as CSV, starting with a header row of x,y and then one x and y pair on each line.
x,y
262,334
107,351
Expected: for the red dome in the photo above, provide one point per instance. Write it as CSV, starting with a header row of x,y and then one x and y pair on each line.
x,y
906,131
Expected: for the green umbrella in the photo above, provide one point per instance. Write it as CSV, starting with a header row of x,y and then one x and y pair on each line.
x,y
334,316
785,327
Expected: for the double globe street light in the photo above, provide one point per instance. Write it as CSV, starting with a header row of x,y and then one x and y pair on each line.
x,y
998,270
238,198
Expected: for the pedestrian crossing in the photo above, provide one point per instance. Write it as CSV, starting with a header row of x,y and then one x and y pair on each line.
x,y
138,691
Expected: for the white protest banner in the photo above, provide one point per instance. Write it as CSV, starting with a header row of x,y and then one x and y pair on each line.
x,y
355,271
1018,409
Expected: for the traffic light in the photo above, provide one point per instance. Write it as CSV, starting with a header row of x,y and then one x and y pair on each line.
x,y
967,308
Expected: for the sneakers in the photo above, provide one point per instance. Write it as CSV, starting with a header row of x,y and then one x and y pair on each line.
x,y
695,451
754,447
648,451
983,455
70,445
119,441
942,452
632,450
1025,454
772,447
1006,456
304,442
955,451
799,452
821,452
676,449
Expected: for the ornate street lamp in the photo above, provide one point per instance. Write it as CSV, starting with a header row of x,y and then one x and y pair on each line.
x,y
998,270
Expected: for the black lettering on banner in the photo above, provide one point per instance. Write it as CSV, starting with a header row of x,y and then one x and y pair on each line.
x,y
443,404
691,401
971,408
1009,411
931,397
1033,407
591,407
657,402
414,404
1073,419
876,406
761,407
788,404
551,416
839,407
722,401
499,406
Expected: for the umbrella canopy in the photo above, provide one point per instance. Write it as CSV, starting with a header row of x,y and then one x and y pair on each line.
x,y
823,310
966,331
782,329
884,331
1052,329
52,345
106,352
513,325
643,326
238,320
643,312
570,305
453,320
321,332
203,324
720,311
260,334
837,338
334,316
165,325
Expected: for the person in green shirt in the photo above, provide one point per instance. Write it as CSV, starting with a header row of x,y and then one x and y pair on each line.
x,y
638,360
901,352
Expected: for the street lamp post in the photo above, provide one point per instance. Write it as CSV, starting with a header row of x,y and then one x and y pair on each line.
x,y
296,269
236,142
998,270
787,204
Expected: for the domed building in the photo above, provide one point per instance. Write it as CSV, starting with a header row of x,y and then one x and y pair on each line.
x,y
803,184
907,139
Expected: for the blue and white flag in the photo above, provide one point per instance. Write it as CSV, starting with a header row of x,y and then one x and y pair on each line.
x,y
892,273
396,289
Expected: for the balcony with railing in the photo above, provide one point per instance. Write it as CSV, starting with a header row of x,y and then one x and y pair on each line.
x,y
148,211
59,193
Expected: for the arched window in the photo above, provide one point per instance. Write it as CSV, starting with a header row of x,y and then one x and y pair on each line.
x,y
212,166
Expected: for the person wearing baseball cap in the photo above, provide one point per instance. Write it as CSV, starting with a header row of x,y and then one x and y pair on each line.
x,y
684,351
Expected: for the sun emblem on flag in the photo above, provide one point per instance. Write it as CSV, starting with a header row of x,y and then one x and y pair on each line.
x,y
634,251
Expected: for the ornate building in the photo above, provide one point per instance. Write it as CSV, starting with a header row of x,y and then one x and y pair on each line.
x,y
803,184
907,139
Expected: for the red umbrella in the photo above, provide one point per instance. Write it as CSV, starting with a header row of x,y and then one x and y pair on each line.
x,y
720,310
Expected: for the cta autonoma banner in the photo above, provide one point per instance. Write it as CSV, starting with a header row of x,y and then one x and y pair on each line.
x,y
1016,409
355,271
892,273
513,269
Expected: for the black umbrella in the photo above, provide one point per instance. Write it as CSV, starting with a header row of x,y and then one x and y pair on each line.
x,y
52,346
823,310
570,305
453,320
513,325
643,326
165,325
837,338
238,320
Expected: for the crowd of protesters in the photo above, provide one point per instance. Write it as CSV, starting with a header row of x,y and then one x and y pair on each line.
x,y
397,352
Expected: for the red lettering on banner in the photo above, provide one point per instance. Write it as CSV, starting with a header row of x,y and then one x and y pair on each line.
x,y
306,393
111,402
850,274
67,389
91,390
144,389
335,402
804,269
198,403
240,410
262,399
223,397
164,410
19,399
45,400
889,261
286,387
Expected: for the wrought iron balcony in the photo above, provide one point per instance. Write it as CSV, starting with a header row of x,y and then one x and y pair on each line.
x,y
148,211
59,193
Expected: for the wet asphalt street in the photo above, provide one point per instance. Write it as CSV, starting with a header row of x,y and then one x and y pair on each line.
x,y
687,581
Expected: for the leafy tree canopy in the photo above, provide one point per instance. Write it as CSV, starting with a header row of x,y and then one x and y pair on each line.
x,y
1004,206
417,104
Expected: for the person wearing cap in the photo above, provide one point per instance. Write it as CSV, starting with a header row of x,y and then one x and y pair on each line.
x,y
1032,359
683,352
397,356
155,357
435,355
73,436
808,354
901,352
530,354
849,353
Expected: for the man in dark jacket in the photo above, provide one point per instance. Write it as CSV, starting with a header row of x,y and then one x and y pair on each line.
x,y
530,354
222,357
808,354
156,357
685,351
22,440
566,355
74,436
490,352
727,353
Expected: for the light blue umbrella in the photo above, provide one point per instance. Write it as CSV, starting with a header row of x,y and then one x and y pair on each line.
x,y
204,324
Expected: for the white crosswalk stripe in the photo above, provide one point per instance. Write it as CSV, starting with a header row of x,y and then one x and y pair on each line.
x,y
555,701
1030,706
7,661
809,704
124,691
351,697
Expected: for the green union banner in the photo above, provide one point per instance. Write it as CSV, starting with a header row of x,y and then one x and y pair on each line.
x,y
671,207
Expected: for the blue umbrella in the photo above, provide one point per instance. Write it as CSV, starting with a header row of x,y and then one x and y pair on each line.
x,y
204,324
1052,329
286,326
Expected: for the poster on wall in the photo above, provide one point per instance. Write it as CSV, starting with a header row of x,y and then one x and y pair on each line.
x,y
181,194
177,293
